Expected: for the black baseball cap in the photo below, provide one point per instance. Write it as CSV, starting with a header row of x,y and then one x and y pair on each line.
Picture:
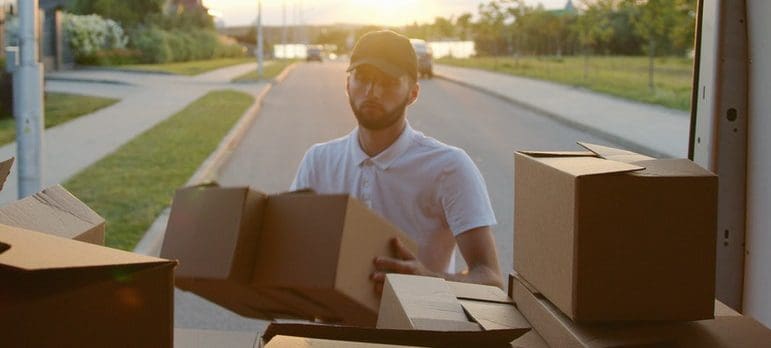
x,y
388,51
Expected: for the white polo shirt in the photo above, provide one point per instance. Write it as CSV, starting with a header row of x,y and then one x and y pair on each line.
x,y
430,190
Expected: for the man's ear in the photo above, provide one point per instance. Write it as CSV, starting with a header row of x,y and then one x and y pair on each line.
x,y
414,92
347,82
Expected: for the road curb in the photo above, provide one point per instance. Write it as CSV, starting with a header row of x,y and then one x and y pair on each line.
x,y
151,242
595,130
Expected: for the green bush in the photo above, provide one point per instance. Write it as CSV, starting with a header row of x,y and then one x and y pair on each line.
x,y
154,45
163,46
112,57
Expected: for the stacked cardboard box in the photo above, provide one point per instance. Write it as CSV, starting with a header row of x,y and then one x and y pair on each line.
x,y
427,312
61,288
288,255
608,239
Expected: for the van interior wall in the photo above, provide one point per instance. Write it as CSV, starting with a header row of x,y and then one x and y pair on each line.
x,y
757,278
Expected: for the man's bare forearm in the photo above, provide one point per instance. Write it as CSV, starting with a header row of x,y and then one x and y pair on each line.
x,y
478,275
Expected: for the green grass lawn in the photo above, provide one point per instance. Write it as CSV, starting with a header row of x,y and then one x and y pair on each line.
x,y
621,76
133,185
190,68
59,108
269,71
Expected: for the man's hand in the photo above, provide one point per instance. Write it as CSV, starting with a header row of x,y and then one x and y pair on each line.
x,y
405,263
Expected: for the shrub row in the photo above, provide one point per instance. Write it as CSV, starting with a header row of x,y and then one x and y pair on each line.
x,y
163,46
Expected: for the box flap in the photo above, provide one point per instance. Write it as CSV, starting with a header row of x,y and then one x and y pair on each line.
x,y
304,342
196,338
5,170
55,211
423,338
30,250
421,303
559,153
614,154
469,291
495,316
582,166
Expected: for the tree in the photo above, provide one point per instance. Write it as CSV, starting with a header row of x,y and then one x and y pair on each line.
x,y
463,22
490,25
127,13
594,28
654,21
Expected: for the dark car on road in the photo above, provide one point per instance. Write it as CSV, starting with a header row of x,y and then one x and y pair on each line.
x,y
313,53
425,58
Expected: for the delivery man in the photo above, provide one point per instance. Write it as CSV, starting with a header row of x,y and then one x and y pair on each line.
x,y
431,191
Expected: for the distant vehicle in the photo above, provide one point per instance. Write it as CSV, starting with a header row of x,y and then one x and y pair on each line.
x,y
313,53
425,58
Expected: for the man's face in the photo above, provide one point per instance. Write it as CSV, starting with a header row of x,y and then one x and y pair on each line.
x,y
377,99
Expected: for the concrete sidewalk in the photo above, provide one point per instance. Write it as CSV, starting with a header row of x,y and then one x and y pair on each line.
x,y
146,100
651,129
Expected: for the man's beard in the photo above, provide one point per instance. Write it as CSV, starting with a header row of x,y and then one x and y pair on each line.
x,y
386,120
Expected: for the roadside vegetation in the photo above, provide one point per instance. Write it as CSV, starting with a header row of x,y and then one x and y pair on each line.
x,y
133,185
190,68
59,108
270,70
620,76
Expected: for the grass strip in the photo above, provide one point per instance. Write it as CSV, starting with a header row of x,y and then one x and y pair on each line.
x,y
133,185
190,68
269,71
621,76
59,108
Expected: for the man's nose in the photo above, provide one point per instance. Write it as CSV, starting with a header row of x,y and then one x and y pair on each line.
x,y
374,88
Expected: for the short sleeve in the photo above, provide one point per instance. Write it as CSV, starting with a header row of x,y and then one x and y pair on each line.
x,y
463,195
303,178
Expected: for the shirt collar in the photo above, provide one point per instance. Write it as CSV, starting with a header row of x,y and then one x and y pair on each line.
x,y
384,159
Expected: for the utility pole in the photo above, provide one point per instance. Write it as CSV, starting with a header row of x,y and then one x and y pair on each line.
x,y
259,40
28,101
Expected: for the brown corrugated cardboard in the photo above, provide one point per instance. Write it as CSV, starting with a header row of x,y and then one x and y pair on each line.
x,y
213,232
430,304
607,240
421,303
559,331
58,292
5,169
530,340
319,250
304,342
298,255
421,338
55,211
195,338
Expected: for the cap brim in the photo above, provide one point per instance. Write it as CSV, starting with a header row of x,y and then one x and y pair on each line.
x,y
384,66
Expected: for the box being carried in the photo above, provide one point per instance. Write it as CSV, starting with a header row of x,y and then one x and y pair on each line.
x,y
299,255
613,235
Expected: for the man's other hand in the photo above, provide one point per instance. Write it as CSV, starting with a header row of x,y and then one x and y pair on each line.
x,y
406,263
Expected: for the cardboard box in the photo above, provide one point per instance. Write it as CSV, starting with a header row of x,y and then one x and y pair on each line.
x,y
281,256
58,292
559,331
5,170
409,337
304,342
55,211
612,235
319,250
432,304
213,232
530,340
196,338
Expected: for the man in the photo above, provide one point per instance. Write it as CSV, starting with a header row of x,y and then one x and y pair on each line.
x,y
431,191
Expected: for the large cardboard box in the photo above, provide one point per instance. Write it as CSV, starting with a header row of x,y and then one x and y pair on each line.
x,y
279,256
612,235
58,292
432,304
558,330
55,211
305,342
213,232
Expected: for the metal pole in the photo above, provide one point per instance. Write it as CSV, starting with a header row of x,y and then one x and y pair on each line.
x,y
28,102
259,40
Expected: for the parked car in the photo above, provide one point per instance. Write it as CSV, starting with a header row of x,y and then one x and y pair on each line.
x,y
313,53
425,58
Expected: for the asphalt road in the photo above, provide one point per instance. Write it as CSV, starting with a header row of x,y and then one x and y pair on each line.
x,y
310,106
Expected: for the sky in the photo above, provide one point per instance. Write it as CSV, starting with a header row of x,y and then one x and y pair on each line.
x,y
378,12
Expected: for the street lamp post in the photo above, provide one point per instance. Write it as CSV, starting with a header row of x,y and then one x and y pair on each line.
x,y
28,102
259,40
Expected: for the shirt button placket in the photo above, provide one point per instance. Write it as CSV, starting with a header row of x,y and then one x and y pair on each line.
x,y
366,190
